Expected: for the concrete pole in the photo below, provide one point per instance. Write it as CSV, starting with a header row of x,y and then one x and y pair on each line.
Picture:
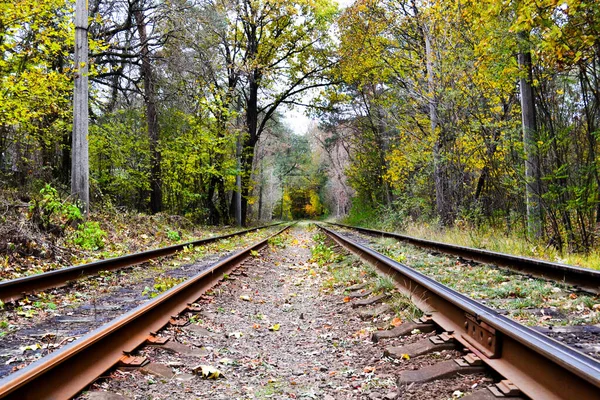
x,y
80,168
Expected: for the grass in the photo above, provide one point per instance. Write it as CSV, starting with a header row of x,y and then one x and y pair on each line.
x,y
346,270
497,240
500,288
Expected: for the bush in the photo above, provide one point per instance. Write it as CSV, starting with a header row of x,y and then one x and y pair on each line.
x,y
173,236
51,213
89,236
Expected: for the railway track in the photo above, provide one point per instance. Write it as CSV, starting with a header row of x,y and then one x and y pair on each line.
x,y
540,367
68,370
583,278
311,357
14,289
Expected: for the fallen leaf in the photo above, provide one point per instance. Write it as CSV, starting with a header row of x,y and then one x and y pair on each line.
x,y
573,296
245,297
274,328
208,372
346,299
30,347
368,370
396,321
405,357
256,326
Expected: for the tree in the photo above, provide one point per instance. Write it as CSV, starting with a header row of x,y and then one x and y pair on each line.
x,y
36,39
286,52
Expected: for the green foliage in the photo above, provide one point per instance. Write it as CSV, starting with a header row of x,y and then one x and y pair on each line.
x,y
50,212
161,284
173,236
120,158
89,236
321,253
278,241
362,213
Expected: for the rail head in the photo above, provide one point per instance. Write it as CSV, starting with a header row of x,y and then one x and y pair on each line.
x,y
452,310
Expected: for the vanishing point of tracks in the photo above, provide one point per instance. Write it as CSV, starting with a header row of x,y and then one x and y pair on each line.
x,y
531,364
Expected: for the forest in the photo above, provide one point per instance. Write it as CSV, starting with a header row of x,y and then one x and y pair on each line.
x,y
458,115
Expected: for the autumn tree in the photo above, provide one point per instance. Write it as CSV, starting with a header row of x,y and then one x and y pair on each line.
x,y
36,39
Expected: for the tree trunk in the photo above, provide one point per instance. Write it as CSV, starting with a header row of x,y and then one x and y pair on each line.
x,y
260,192
438,162
151,115
239,220
532,171
249,142
80,169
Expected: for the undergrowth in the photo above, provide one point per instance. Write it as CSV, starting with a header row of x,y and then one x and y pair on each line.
x,y
465,233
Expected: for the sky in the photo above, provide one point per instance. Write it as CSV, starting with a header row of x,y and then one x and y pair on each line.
x,y
295,117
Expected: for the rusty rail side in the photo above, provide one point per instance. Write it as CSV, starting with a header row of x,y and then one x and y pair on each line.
x,y
541,367
585,278
64,373
17,288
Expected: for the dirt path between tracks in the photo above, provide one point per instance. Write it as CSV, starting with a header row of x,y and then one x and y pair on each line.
x,y
280,329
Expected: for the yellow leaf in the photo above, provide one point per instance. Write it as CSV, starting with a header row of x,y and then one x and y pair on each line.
x,y
208,372
405,357
275,327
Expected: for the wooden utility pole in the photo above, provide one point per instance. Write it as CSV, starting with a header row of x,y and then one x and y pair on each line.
x,y
532,169
80,168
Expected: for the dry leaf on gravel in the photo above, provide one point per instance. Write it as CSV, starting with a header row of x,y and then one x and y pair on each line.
x,y
208,372
274,328
396,321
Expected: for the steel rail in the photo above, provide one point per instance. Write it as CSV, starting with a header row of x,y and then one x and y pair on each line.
x,y
65,372
541,367
15,289
584,278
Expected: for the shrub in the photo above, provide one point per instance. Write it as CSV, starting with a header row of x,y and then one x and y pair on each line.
x,y
173,236
89,236
51,213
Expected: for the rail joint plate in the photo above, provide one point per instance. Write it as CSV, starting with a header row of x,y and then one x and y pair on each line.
x,y
482,336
